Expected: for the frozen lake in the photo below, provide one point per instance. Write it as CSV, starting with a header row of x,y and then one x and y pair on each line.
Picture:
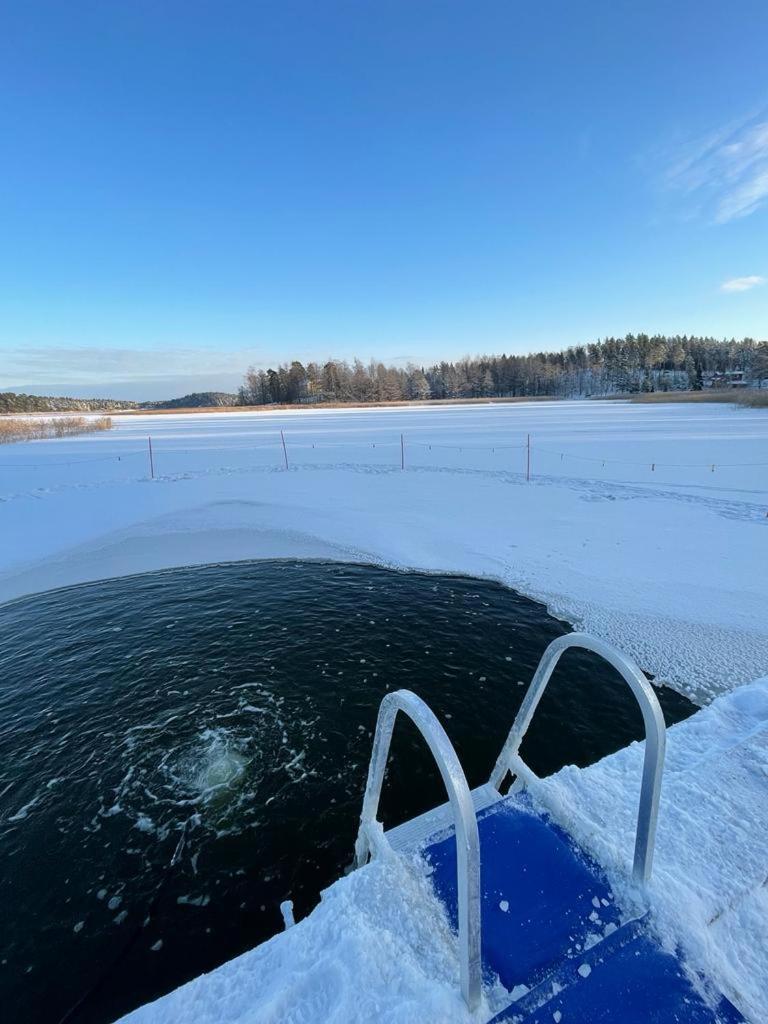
x,y
643,524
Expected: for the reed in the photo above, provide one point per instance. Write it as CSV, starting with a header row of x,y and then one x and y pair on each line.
x,y
18,428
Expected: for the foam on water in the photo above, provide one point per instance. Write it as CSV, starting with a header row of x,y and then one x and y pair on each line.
x,y
221,769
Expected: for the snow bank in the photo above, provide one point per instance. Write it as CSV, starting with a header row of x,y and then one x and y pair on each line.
x,y
624,529
709,890
377,948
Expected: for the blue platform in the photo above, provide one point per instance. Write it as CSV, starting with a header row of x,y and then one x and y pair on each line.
x,y
551,923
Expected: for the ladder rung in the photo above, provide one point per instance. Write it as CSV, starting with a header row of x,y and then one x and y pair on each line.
x,y
412,834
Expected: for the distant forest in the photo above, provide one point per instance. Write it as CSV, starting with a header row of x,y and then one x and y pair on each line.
x,y
636,363
12,402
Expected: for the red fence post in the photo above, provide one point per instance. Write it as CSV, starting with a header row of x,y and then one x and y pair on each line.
x,y
528,459
402,452
285,450
151,459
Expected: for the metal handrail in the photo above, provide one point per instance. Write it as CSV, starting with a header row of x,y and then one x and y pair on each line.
x,y
655,736
467,839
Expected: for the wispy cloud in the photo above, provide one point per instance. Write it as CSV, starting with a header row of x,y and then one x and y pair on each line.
x,y
726,173
104,364
122,373
742,284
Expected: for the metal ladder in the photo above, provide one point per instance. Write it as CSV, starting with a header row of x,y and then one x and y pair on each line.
x,y
463,804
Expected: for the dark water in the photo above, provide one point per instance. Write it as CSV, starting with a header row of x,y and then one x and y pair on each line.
x,y
231,708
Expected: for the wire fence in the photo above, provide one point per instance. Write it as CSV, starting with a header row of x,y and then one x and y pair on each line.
x,y
292,452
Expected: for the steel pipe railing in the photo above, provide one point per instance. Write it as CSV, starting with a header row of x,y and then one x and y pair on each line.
x,y
509,759
467,839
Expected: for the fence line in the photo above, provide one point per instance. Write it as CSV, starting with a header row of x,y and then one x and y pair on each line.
x,y
286,443
70,462
653,465
465,447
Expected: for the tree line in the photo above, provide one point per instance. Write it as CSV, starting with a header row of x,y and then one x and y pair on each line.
x,y
633,364
10,401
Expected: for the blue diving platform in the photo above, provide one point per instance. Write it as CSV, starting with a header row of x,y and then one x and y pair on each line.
x,y
532,909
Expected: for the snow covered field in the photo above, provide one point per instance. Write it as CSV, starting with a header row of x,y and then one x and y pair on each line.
x,y
624,529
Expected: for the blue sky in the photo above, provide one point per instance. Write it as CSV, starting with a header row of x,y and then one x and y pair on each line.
x,y
190,187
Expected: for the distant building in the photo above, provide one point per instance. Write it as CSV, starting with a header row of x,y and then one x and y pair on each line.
x,y
728,379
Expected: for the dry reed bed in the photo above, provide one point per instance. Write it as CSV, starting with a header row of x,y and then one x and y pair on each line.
x,y
754,398
751,397
18,429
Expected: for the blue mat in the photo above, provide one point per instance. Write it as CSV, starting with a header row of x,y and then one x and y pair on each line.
x,y
636,984
552,897
550,922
